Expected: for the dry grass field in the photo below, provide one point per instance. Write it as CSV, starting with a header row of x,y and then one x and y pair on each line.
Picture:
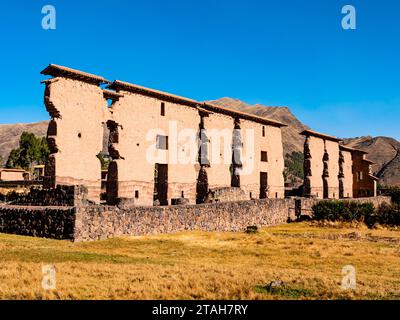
x,y
307,257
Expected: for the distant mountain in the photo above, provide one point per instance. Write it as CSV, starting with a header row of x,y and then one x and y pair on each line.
x,y
384,151
292,141
10,133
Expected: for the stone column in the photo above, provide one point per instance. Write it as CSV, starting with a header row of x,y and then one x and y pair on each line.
x,y
325,173
236,148
307,168
341,175
202,179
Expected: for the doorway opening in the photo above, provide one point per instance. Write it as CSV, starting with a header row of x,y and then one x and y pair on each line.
x,y
263,185
161,184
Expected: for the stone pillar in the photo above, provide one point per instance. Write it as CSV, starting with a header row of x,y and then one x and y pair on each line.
x,y
236,149
325,173
341,175
307,168
112,187
202,179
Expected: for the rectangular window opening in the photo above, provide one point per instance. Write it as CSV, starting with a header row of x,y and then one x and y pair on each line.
x,y
162,142
264,156
163,109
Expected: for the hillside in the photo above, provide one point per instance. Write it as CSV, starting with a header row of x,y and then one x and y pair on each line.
x,y
385,152
10,133
292,141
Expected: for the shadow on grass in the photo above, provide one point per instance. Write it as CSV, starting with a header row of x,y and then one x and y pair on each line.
x,y
56,256
285,291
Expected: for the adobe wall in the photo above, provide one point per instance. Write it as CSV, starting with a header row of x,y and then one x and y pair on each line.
x,y
219,128
367,186
136,116
274,166
347,174
321,168
11,176
136,172
316,146
332,148
78,110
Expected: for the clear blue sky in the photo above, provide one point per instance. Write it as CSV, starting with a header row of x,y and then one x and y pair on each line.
x,y
286,52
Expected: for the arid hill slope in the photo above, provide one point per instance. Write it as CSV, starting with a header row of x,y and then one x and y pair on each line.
x,y
292,141
385,152
10,133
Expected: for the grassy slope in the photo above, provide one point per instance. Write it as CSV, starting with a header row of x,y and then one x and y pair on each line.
x,y
196,265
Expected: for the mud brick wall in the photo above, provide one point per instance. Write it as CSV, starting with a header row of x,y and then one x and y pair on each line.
x,y
101,222
46,222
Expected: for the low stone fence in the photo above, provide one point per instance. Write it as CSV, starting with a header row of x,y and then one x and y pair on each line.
x,y
100,222
46,222
84,223
69,196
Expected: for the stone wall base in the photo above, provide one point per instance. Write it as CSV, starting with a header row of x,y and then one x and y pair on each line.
x,y
85,223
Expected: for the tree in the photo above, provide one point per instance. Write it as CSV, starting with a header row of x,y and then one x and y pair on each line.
x,y
294,166
12,161
32,150
1,161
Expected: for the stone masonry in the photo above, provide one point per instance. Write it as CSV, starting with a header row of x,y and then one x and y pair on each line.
x,y
86,223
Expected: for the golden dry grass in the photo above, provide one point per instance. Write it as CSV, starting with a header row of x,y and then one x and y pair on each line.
x,y
308,258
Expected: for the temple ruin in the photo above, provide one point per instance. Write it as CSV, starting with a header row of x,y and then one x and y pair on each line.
x,y
175,164
143,122
334,171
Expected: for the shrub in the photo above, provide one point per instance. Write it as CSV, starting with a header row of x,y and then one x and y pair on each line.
x,y
388,215
393,192
345,211
252,229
